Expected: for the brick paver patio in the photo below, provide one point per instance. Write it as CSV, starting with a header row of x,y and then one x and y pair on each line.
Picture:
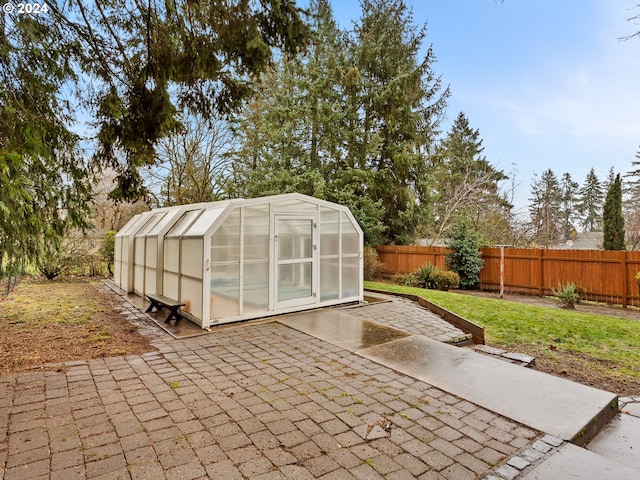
x,y
408,316
258,401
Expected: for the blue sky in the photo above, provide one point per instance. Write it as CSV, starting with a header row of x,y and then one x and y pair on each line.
x,y
547,82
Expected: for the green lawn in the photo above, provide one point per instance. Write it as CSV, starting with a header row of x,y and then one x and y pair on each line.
x,y
599,338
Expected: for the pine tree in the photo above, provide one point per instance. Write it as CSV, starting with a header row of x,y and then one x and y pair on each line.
x,y
612,219
401,107
545,208
347,124
568,204
590,197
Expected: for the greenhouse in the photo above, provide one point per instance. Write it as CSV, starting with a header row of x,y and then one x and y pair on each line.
x,y
241,259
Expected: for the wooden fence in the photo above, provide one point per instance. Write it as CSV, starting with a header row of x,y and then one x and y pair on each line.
x,y
605,276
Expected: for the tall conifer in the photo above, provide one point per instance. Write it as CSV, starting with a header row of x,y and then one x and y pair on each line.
x,y
612,219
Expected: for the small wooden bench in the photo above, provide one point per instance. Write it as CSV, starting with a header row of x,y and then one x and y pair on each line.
x,y
160,301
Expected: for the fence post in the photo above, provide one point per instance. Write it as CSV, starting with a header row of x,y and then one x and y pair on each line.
x,y
395,247
540,272
624,276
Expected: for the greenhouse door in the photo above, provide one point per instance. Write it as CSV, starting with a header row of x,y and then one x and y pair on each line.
x,y
295,266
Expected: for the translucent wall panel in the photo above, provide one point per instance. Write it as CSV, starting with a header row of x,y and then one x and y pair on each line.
x,y
151,252
170,273
138,279
117,262
192,296
255,283
170,284
138,268
225,242
124,249
164,222
150,279
329,238
329,278
150,224
329,254
204,221
225,290
350,258
294,239
192,257
295,205
294,281
225,268
151,265
185,221
350,276
138,251
350,237
171,254
134,224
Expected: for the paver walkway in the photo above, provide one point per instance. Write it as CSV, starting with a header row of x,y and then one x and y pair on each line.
x,y
259,401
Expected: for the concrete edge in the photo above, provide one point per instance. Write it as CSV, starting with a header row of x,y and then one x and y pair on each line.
x,y
591,429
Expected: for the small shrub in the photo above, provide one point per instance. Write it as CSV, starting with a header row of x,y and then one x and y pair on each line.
x,y
444,279
405,279
423,275
567,295
371,263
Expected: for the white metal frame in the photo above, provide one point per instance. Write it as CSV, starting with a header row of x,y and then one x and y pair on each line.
x,y
313,298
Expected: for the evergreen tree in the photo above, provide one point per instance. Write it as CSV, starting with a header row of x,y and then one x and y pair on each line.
x,y
299,133
611,177
401,108
143,62
466,257
612,219
347,124
545,208
44,179
131,66
568,204
631,204
590,197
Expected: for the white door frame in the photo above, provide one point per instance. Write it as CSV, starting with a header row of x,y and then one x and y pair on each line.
x,y
311,260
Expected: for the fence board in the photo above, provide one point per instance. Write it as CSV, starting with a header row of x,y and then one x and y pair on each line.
x,y
605,276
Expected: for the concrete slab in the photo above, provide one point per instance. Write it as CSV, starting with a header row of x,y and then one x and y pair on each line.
x,y
550,404
619,440
632,409
571,462
341,329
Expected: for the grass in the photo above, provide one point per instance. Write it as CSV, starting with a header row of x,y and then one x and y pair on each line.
x,y
599,338
35,304
57,321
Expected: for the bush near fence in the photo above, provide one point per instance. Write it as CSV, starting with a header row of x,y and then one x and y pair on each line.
x,y
604,276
